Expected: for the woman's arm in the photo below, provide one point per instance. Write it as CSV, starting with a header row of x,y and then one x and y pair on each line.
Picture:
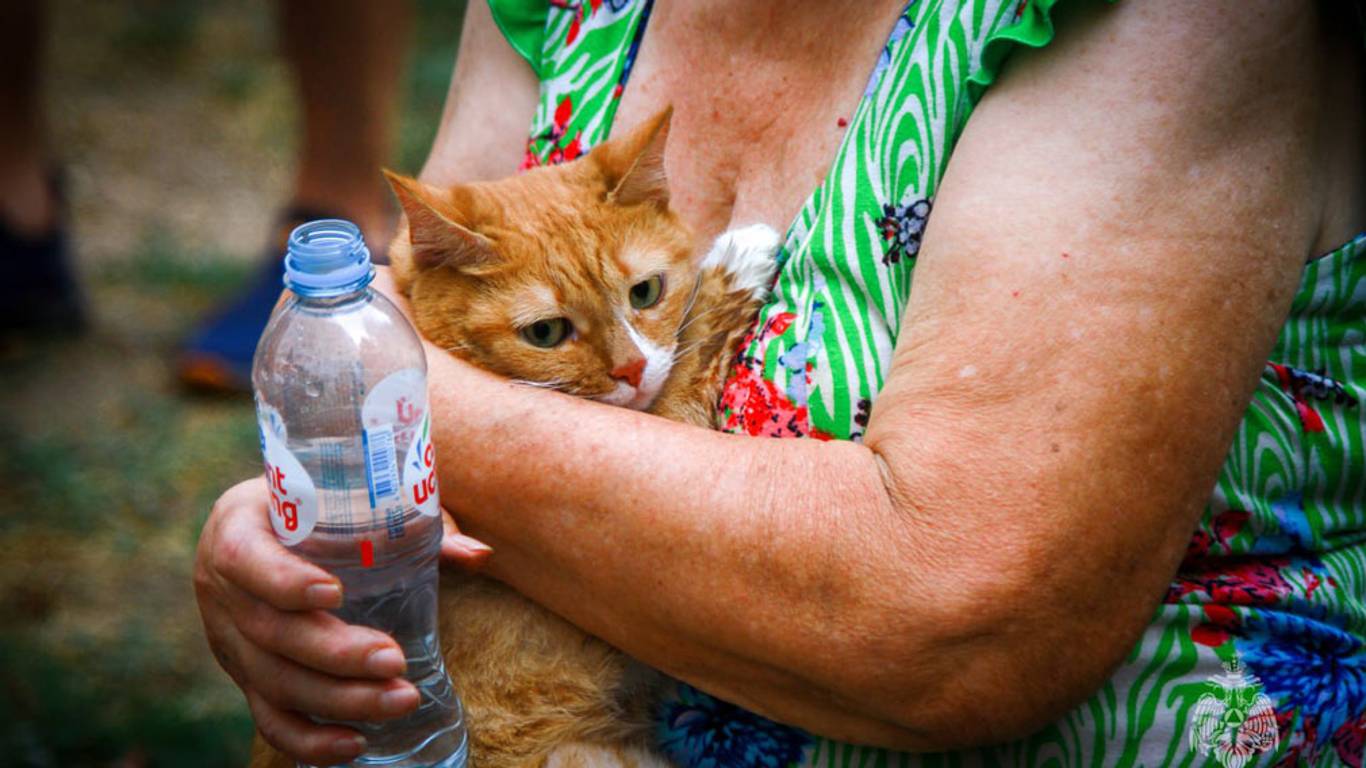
x,y
1111,254
490,103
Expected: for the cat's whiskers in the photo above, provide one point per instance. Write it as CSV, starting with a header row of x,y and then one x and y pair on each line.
x,y
680,352
687,310
555,385
558,385
697,317
457,348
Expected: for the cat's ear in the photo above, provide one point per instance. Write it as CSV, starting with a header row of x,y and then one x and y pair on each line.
x,y
436,238
634,164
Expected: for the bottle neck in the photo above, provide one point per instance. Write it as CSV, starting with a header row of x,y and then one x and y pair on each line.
x,y
339,301
327,259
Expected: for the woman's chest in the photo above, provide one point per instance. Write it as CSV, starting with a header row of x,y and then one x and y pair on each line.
x,y
755,129
736,159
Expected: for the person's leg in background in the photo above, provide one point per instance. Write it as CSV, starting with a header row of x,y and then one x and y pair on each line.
x,y
347,57
37,291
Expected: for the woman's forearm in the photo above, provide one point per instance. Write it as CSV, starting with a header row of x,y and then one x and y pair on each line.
x,y
729,562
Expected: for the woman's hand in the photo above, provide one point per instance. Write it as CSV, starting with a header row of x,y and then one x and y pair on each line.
x,y
265,614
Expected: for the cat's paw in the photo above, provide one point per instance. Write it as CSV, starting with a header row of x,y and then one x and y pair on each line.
x,y
749,255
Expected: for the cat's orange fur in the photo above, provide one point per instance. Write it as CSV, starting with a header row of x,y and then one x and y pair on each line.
x,y
477,262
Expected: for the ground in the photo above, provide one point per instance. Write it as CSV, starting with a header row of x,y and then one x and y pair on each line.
x,y
173,123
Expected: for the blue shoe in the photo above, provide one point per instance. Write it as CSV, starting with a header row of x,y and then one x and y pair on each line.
x,y
217,357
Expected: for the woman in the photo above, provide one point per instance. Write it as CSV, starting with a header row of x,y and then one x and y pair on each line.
x,y
997,547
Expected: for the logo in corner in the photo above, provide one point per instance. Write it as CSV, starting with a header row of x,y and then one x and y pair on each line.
x,y
1234,719
419,472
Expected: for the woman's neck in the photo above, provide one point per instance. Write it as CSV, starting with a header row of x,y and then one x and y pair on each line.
x,y
788,31
763,91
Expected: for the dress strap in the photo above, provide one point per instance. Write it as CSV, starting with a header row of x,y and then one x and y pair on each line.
x,y
587,49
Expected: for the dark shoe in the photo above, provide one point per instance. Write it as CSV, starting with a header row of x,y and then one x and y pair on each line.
x,y
39,293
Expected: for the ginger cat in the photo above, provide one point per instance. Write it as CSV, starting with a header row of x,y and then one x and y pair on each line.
x,y
577,278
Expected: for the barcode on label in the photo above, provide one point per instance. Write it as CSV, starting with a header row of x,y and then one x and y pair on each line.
x,y
381,469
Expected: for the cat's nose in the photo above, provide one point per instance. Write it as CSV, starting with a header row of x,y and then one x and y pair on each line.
x,y
630,372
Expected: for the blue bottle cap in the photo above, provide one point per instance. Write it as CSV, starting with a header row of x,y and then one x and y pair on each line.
x,y
327,258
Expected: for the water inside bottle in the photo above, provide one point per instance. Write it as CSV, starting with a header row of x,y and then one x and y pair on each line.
x,y
396,593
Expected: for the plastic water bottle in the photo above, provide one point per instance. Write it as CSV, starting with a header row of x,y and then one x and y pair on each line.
x,y
341,401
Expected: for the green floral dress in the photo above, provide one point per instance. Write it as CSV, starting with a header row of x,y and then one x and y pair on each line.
x,y
1256,655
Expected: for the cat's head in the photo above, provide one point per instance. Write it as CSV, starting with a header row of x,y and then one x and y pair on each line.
x,y
575,277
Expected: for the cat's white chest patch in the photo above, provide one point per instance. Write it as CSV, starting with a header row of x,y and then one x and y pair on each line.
x,y
749,255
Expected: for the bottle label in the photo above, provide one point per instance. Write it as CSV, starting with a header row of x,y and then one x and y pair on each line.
x,y
398,400
419,472
293,498
381,465
391,414
268,419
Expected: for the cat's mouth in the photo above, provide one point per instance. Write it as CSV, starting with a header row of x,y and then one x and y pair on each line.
x,y
640,395
627,396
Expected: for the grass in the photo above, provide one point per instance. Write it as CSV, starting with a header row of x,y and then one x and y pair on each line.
x,y
54,718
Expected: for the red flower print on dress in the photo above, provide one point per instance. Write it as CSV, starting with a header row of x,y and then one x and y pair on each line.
x,y
529,158
563,112
1297,740
1256,582
572,150
779,323
1349,742
1303,386
1221,622
582,12
552,137
1216,536
755,406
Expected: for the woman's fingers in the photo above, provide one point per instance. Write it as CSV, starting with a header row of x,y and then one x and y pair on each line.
x,y
225,641
290,732
291,687
319,640
462,551
245,553
300,737
259,604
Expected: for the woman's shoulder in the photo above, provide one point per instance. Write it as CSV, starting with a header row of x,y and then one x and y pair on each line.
x,y
522,23
1213,95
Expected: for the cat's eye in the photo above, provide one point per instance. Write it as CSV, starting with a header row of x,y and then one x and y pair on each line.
x,y
547,333
645,293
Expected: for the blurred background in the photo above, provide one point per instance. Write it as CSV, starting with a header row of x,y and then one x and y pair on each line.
x,y
174,125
